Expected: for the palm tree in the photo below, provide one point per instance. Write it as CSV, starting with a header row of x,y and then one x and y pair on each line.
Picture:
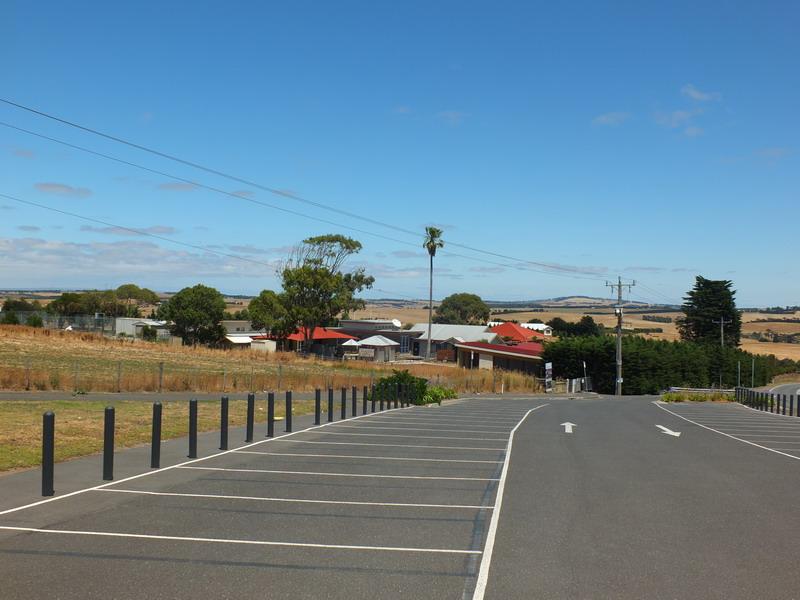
x,y
433,240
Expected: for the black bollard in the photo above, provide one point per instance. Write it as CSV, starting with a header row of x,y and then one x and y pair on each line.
x,y
48,452
343,410
223,423
271,414
354,400
155,438
317,407
251,417
193,428
396,394
288,417
330,405
364,402
372,400
108,444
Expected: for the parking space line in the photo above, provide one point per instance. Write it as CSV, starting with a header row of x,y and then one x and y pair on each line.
x,y
431,422
656,403
321,474
178,465
177,538
449,460
296,500
488,547
421,437
371,427
391,445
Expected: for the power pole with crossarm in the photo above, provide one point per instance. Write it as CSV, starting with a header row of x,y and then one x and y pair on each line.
x,y
618,310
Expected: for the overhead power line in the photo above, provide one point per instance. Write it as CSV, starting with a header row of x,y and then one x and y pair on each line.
x,y
549,267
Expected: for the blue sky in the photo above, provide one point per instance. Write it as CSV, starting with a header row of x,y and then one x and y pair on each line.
x,y
656,142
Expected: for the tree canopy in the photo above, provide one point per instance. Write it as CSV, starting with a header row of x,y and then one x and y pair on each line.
x,y
704,305
195,313
586,326
462,309
315,288
267,311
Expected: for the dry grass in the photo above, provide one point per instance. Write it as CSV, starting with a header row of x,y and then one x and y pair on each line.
x,y
38,359
79,425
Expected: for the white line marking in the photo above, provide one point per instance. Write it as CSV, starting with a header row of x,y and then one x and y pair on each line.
x,y
295,500
392,445
277,472
364,428
143,536
722,433
175,466
486,559
669,431
568,427
449,460
442,423
421,437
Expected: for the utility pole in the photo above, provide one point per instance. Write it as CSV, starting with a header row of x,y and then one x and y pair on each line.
x,y
722,322
618,310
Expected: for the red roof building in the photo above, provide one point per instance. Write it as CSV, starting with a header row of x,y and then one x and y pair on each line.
x,y
321,334
514,333
482,355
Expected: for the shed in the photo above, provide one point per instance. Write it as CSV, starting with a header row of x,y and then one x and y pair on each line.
x,y
378,348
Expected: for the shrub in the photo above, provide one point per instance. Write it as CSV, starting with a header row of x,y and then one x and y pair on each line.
x,y
34,321
416,386
436,394
696,397
10,318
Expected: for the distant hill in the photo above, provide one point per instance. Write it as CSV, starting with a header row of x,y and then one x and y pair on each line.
x,y
563,302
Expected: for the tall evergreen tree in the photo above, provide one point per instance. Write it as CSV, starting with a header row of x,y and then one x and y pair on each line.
x,y
703,306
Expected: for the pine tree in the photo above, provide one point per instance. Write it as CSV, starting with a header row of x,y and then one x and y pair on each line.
x,y
704,305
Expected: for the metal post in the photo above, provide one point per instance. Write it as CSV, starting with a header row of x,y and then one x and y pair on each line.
x,y
354,400
791,405
223,423
364,401
108,444
783,404
317,408
271,414
618,310
330,404
288,417
160,377
193,428
343,406
251,417
396,391
48,452
155,439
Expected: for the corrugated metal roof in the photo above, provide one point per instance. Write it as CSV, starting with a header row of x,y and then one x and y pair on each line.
x,y
378,340
442,332
239,339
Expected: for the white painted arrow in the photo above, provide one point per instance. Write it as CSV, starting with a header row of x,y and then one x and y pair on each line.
x,y
669,431
568,427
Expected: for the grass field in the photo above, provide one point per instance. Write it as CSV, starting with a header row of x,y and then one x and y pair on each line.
x,y
37,359
79,425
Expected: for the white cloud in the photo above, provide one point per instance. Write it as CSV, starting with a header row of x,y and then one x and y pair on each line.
x,y
29,228
693,131
774,153
62,189
177,186
692,92
487,269
31,260
408,254
677,118
243,193
153,229
452,117
611,119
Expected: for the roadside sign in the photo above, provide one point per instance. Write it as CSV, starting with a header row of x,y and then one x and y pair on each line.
x,y
548,377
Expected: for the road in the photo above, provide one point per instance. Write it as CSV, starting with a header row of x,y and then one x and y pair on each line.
x,y
483,498
786,388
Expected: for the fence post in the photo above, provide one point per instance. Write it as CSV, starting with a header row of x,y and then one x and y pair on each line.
x,y
791,405
155,438
223,423
108,444
288,417
224,379
354,400
48,452
396,394
271,414
160,377
343,407
364,402
193,428
330,404
317,407
251,417
783,403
